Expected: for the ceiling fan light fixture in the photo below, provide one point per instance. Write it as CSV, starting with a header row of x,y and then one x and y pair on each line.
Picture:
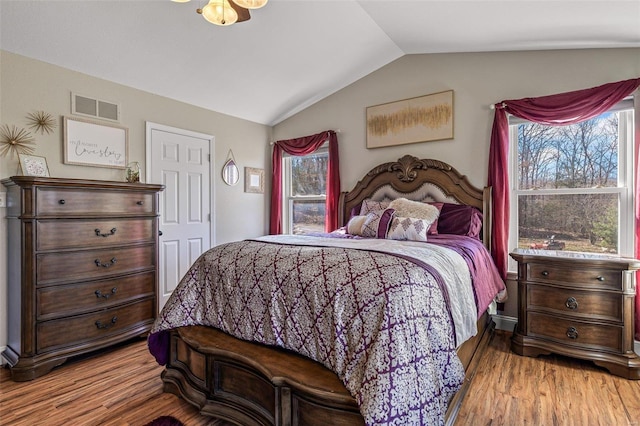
x,y
181,1
219,12
250,4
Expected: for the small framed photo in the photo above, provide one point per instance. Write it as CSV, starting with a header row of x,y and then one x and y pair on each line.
x,y
253,180
32,165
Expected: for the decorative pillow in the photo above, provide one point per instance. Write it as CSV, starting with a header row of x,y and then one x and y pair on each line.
x,y
408,228
460,219
415,209
368,205
354,226
377,223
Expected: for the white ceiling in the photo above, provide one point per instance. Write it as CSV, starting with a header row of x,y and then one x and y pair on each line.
x,y
292,53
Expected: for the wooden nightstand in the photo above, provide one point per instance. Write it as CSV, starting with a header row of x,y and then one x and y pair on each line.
x,y
578,305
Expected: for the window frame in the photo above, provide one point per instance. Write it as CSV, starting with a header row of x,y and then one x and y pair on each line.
x,y
624,189
287,198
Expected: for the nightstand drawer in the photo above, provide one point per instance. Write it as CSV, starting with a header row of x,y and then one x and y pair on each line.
x,y
579,277
578,333
597,305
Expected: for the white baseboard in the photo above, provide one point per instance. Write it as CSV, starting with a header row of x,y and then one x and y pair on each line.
x,y
2,360
507,323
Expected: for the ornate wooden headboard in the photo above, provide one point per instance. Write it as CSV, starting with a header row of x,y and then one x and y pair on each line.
x,y
416,179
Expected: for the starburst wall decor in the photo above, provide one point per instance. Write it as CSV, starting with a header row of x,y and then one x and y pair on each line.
x,y
41,121
15,141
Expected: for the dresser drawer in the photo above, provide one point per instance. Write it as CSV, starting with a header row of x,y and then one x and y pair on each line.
x,y
93,264
577,333
584,304
97,325
580,277
56,201
74,299
63,234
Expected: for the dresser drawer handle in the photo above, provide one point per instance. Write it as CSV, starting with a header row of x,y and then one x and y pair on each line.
x,y
571,303
106,234
99,294
600,278
61,201
572,333
102,326
105,265
140,203
545,273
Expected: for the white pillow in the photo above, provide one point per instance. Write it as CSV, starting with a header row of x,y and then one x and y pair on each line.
x,y
408,228
415,209
354,226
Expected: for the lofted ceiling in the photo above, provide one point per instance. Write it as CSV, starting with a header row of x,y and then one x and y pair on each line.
x,y
292,53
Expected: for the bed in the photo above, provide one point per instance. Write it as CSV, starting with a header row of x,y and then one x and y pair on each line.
x,y
341,328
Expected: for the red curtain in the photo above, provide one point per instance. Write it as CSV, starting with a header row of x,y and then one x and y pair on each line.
x,y
637,208
303,146
561,109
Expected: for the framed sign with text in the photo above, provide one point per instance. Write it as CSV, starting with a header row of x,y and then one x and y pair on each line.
x,y
92,143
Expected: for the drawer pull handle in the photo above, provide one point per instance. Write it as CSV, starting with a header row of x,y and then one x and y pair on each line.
x,y
571,303
61,201
545,273
102,326
140,203
600,278
105,265
99,294
572,333
106,234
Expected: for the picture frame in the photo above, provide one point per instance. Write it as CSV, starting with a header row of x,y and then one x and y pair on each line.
x,y
93,143
421,119
253,180
33,165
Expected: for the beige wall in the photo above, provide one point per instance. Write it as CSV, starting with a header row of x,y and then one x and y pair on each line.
x,y
478,80
28,86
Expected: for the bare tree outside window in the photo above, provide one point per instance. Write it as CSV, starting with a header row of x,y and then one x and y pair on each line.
x,y
567,185
307,190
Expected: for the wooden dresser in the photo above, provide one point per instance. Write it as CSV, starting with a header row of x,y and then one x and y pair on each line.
x,y
83,267
578,305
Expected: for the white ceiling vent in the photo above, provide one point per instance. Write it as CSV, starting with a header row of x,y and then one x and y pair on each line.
x,y
96,108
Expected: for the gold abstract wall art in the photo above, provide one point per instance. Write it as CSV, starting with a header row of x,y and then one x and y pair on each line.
x,y
422,119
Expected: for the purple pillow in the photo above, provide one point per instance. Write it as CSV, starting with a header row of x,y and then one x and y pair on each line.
x,y
460,219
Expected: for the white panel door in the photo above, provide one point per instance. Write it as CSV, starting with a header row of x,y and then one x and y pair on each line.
x,y
180,160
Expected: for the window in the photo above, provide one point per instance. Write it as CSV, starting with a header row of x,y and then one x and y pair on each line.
x,y
304,192
572,186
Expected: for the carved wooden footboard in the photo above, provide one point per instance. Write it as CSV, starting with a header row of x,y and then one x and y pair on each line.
x,y
251,384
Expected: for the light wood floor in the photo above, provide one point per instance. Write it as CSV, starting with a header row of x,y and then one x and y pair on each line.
x,y
122,387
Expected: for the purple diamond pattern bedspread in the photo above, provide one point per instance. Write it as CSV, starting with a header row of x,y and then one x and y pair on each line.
x,y
380,321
